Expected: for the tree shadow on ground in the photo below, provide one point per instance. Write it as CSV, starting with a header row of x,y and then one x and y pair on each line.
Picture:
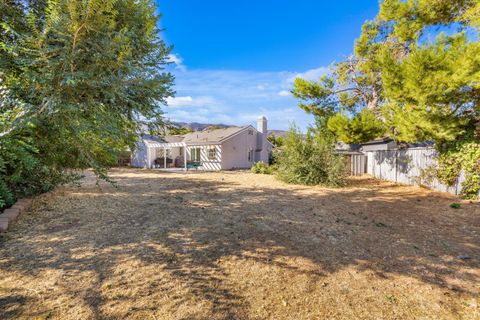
x,y
159,241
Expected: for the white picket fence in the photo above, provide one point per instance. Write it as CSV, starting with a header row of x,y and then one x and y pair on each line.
x,y
406,166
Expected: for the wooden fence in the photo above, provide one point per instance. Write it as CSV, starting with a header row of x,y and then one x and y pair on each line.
x,y
406,166
357,163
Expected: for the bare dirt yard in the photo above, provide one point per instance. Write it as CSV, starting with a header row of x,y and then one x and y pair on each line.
x,y
234,245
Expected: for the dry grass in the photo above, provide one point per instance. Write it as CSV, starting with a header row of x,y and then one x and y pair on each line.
x,y
234,245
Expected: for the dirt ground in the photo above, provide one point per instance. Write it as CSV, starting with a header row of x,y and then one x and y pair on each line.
x,y
234,245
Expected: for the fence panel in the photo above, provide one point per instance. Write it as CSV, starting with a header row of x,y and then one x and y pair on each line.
x,y
357,164
406,166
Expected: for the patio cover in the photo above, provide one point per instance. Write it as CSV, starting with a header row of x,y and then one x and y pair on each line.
x,y
166,145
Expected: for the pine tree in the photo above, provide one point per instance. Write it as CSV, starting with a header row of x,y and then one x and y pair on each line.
x,y
417,68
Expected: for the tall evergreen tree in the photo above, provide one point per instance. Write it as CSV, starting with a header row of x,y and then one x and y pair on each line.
x,y
417,68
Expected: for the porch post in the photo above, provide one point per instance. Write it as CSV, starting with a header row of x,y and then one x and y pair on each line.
x,y
164,158
148,163
185,157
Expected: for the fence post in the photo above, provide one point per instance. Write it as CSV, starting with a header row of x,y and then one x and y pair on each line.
x,y
396,166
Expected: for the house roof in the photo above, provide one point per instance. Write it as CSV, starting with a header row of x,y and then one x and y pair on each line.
x,y
212,136
377,141
149,139
194,138
345,152
422,144
170,139
398,145
344,147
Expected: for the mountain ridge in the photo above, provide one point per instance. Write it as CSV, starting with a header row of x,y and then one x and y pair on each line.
x,y
196,126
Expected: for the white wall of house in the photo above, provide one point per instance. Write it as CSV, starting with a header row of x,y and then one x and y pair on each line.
x,y
236,149
151,156
210,156
140,156
239,151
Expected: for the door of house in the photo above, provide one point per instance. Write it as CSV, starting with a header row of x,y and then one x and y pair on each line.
x,y
195,154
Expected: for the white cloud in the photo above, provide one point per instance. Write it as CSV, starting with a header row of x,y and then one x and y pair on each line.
x,y
238,97
178,61
189,101
284,93
200,115
280,118
179,101
312,74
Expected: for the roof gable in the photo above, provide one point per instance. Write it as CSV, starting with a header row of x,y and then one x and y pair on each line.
x,y
200,137
213,136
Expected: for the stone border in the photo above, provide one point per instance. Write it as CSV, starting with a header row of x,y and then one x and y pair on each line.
x,y
10,215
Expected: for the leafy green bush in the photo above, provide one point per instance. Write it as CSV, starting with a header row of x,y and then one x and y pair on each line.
x,y
22,171
261,168
276,141
309,159
6,196
455,205
462,156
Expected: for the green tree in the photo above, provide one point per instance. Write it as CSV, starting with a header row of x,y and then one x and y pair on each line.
x,y
362,127
89,71
84,77
309,159
277,141
416,67
179,131
432,86
422,89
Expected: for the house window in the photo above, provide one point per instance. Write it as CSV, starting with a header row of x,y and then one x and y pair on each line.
x,y
250,132
212,153
250,155
195,154
160,153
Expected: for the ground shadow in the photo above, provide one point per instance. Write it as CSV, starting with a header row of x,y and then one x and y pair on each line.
x,y
175,229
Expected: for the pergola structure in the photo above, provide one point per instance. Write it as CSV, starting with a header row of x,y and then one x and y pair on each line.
x,y
168,145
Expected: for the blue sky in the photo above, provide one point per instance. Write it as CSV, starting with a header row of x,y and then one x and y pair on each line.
x,y
236,60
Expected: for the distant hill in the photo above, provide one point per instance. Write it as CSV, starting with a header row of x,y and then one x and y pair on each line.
x,y
195,126
278,133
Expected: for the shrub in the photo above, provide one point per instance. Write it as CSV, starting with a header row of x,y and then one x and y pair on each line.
x,y
455,205
461,156
310,159
276,141
261,168
22,171
6,196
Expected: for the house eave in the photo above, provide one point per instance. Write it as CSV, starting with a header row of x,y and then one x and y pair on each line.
x,y
199,144
166,145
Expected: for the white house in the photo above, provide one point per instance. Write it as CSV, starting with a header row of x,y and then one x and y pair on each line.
x,y
219,149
